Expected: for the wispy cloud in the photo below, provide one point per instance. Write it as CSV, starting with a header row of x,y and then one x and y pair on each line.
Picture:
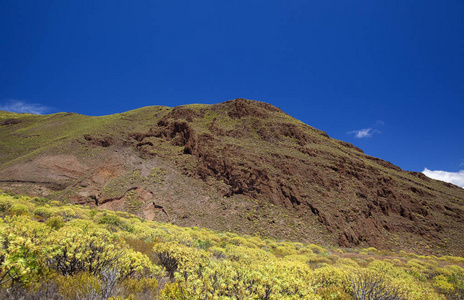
x,y
456,178
20,106
364,133
367,132
379,123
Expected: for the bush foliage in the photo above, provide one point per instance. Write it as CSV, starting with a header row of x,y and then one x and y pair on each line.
x,y
54,251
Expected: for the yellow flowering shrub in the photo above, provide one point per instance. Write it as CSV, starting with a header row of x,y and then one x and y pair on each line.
x,y
247,255
407,284
171,291
284,250
317,249
442,283
20,252
19,209
55,222
176,257
42,212
332,275
5,203
95,253
227,279
73,250
146,287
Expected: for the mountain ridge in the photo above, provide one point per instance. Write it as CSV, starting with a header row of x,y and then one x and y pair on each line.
x,y
240,165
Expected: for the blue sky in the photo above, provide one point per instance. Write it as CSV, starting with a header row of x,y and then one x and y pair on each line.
x,y
387,76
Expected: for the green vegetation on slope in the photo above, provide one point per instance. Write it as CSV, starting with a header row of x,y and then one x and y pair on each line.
x,y
74,252
26,135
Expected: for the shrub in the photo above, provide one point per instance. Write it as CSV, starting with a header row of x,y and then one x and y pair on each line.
x,y
204,244
42,212
334,293
332,276
109,279
67,213
284,250
172,291
110,219
5,205
115,221
75,250
40,201
141,246
247,255
20,254
84,260
369,286
174,256
442,283
79,286
55,203
55,222
144,288
92,213
19,209
47,290
317,249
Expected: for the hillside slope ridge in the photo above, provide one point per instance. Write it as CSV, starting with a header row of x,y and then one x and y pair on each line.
x,y
240,165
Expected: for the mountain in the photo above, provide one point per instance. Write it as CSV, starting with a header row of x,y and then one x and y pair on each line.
x,y
243,166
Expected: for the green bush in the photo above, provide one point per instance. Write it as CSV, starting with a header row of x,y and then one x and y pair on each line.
x,y
5,205
66,212
40,201
19,209
110,220
115,221
93,212
55,222
42,212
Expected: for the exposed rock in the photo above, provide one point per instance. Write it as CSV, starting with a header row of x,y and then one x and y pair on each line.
x,y
99,141
7,122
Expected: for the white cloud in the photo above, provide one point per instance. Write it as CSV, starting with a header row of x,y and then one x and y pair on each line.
x,y
19,106
363,133
456,178
379,123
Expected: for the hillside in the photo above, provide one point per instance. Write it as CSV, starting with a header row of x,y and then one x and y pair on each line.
x,y
242,166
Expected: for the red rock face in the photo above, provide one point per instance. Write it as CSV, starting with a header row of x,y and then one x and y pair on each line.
x,y
246,166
